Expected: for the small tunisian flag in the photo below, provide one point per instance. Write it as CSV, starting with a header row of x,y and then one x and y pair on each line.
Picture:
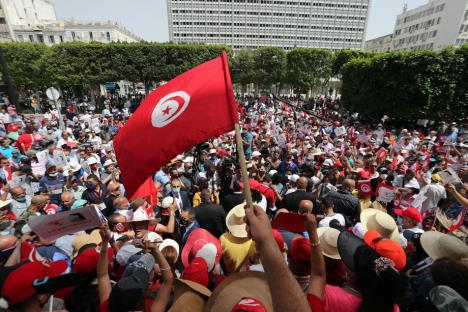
x,y
148,191
191,108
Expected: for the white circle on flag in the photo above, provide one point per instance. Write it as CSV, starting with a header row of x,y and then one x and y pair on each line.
x,y
169,108
365,188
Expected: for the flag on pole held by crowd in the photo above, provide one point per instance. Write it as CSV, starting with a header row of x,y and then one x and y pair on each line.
x,y
148,191
191,108
458,222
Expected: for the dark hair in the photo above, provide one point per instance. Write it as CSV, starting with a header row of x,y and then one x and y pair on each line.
x,y
452,273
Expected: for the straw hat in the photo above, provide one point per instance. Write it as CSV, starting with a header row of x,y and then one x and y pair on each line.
x,y
237,286
438,245
329,241
182,286
373,219
84,239
189,302
235,221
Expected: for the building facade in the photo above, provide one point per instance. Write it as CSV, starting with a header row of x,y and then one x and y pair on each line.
x,y
432,26
36,21
328,24
380,44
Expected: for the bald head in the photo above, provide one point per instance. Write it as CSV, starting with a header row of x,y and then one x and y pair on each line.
x,y
17,191
38,202
302,183
121,203
305,206
349,185
114,188
67,200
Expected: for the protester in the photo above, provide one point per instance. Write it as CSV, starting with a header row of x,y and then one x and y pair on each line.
x,y
375,215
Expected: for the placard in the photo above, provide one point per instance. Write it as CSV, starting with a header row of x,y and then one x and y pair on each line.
x,y
449,176
60,160
291,222
42,157
385,194
17,180
339,131
363,138
51,227
38,169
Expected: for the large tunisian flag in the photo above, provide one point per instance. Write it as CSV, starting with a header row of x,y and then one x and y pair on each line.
x,y
191,108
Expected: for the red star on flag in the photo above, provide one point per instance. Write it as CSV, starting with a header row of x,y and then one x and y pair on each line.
x,y
167,111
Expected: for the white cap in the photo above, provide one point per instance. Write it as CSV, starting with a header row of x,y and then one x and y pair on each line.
x,y
153,237
108,163
167,202
92,161
328,162
294,178
272,172
188,159
412,184
125,253
212,151
256,154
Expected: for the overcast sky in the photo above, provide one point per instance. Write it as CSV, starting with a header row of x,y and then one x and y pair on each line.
x,y
148,18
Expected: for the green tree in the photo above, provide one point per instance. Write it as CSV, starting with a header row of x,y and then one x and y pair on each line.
x,y
344,56
309,68
243,67
24,63
270,66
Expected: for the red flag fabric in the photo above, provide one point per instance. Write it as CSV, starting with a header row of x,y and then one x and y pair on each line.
x,y
458,222
191,108
148,191
364,188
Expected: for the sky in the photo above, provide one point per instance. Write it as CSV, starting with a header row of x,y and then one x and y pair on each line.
x,y
148,18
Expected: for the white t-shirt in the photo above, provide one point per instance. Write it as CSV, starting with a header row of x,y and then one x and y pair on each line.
x,y
325,222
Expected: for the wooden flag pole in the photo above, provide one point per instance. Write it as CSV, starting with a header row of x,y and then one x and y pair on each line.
x,y
243,166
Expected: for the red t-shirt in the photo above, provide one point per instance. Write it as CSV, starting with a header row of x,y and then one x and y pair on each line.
x,y
316,304
25,139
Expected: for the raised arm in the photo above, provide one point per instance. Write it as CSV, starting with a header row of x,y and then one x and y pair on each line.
x,y
317,263
104,283
283,287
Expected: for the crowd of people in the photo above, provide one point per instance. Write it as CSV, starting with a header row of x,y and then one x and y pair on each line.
x,y
347,216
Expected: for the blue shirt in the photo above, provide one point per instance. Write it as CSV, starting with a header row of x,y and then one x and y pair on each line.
x,y
7,151
248,147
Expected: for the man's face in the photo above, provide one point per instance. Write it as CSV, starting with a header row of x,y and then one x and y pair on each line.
x,y
68,201
186,219
140,228
410,175
175,184
407,223
4,162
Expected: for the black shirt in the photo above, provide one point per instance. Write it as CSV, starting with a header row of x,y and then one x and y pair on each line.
x,y
292,200
231,200
94,197
211,217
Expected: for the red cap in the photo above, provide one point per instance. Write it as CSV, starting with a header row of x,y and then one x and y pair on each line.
x,y
18,285
13,127
279,239
29,253
300,252
87,261
387,248
51,209
197,271
249,304
222,152
410,212
336,123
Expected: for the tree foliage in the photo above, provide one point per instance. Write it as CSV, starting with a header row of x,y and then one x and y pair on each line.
x,y
270,66
24,63
410,85
309,68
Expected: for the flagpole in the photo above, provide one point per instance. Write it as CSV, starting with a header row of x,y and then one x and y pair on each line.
x,y
243,166
239,142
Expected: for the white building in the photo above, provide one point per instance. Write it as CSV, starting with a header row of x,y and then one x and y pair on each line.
x,y
36,21
380,44
329,24
434,25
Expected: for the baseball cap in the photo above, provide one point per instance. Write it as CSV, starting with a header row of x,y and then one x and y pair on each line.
x,y
436,177
126,294
86,262
167,202
300,252
145,261
19,281
387,248
197,271
410,212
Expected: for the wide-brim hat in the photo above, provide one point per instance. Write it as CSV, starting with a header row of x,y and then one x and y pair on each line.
x,y
189,301
84,239
235,221
198,239
182,286
4,203
373,219
438,245
329,242
74,166
349,247
238,286
140,215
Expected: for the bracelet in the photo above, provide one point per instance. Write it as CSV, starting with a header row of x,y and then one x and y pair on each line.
x,y
315,244
164,269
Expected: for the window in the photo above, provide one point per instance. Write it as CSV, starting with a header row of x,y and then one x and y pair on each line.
x,y
31,38
2,20
61,38
40,38
20,38
73,35
91,36
108,36
52,39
